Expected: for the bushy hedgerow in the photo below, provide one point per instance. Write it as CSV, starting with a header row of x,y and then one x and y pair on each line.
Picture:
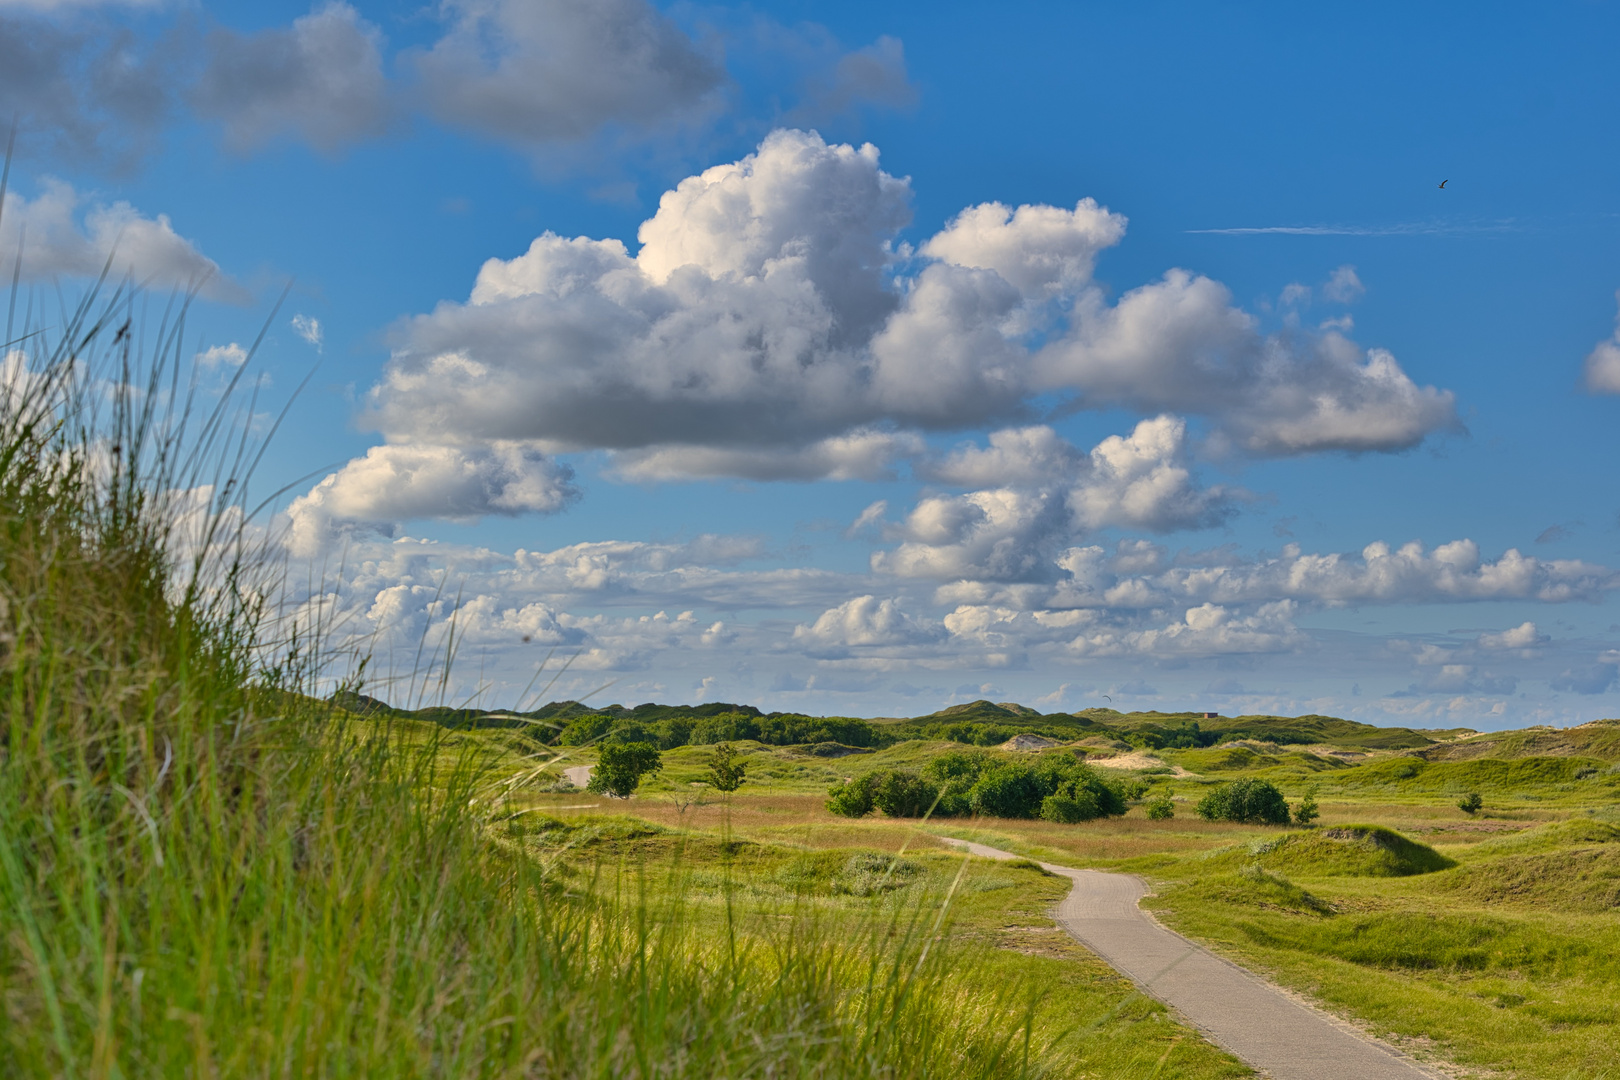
x,y
1057,786
1250,801
729,727
586,729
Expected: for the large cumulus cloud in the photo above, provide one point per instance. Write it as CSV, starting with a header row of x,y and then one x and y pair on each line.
x,y
771,307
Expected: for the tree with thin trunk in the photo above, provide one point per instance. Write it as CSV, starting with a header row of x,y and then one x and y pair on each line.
x,y
727,770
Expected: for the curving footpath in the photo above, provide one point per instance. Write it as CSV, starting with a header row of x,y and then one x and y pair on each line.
x,y
1236,1010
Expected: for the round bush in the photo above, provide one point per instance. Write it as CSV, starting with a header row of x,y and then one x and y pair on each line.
x,y
852,798
1248,801
1009,790
899,793
1069,811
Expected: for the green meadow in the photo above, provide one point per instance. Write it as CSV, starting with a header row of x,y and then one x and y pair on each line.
x,y
1488,942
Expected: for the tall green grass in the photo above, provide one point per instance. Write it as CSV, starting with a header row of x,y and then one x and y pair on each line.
x,y
206,872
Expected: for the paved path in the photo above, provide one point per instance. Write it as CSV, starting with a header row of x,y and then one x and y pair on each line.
x,y
1236,1010
579,775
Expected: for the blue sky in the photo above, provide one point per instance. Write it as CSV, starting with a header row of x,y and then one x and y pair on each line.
x,y
875,412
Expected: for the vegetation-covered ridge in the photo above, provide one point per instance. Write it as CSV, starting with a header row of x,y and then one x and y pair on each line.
x,y
979,723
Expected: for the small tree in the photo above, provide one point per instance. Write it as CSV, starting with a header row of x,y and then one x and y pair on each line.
x,y
621,766
1161,807
1470,803
727,771
1307,811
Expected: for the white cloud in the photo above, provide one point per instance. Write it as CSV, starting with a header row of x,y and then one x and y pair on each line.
x,y
1142,481
1016,457
1205,630
321,80
308,328
1602,375
688,609
1523,636
1052,495
1411,574
222,356
1001,534
871,517
531,72
1461,679
860,455
59,235
864,621
1344,287
768,309
1179,344
395,483
1040,250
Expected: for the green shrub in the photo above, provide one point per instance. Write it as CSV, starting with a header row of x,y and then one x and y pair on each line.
x,y
1009,789
726,727
673,732
1471,803
902,793
958,766
1069,811
1161,807
620,768
1062,773
1248,801
1307,811
584,730
852,798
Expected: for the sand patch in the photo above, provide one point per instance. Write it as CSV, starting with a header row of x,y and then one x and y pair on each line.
x,y
1140,759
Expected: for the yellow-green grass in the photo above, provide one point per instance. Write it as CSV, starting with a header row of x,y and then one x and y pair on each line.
x,y
1501,953
1007,955
1509,961
1524,990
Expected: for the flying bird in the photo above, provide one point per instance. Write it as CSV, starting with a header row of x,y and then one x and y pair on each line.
x,y
1444,182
